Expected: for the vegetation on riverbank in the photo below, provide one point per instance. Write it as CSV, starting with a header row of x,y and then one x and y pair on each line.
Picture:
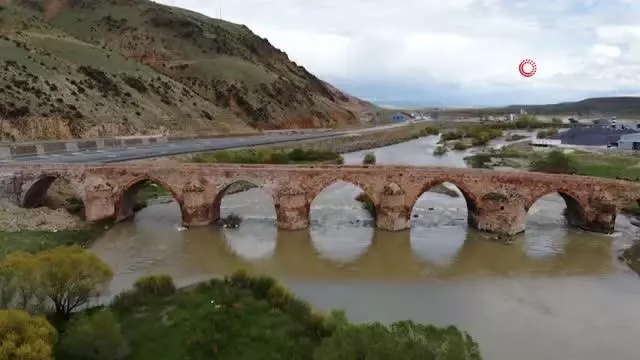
x,y
369,159
35,241
610,166
631,257
237,317
546,133
269,156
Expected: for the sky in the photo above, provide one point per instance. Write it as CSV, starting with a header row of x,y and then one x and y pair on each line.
x,y
453,52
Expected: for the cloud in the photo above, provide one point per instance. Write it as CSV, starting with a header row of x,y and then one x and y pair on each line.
x,y
470,49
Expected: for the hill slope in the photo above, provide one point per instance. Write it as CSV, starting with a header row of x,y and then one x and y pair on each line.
x,y
86,68
620,106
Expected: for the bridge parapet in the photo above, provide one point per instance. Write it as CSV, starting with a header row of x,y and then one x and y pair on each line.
x,y
496,201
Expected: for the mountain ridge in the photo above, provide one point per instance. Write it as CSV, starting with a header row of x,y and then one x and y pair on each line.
x,y
150,68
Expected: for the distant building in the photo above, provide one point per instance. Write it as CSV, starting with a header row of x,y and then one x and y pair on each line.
x,y
398,117
629,142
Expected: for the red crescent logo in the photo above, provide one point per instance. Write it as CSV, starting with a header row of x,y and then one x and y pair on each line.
x,y
531,71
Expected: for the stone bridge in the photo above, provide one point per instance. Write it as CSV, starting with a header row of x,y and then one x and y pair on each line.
x,y
496,201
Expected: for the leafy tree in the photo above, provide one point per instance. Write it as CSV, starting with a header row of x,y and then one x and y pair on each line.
x,y
67,276
402,340
92,337
19,283
369,159
555,162
25,337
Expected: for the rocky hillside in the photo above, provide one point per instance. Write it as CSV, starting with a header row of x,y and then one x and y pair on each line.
x,y
87,68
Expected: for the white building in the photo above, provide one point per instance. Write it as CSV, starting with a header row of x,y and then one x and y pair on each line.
x,y
629,142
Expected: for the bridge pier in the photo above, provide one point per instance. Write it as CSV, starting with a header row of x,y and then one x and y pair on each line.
x,y
500,212
98,201
292,209
597,221
391,213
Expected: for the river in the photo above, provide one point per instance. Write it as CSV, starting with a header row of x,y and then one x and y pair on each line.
x,y
556,293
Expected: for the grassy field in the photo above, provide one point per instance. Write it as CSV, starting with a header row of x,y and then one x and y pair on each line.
x,y
34,241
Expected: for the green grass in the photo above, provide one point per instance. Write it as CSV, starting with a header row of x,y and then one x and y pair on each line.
x,y
606,166
34,241
268,156
232,69
77,52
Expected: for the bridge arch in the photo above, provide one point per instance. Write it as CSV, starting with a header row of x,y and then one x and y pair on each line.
x,y
347,210
239,185
125,199
363,195
469,197
35,192
574,211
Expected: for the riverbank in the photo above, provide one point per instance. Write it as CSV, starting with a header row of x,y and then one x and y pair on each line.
x,y
35,240
631,257
523,157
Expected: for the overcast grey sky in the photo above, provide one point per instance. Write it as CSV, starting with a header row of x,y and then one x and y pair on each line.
x,y
452,52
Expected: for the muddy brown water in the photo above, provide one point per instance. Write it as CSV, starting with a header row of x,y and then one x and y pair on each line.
x,y
556,293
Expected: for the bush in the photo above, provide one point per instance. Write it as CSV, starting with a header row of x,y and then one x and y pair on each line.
x,y
440,150
155,285
92,337
543,134
429,130
460,146
402,340
367,204
479,161
452,135
369,159
25,337
555,162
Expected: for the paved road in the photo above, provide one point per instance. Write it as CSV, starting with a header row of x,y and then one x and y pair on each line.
x,y
165,149
113,155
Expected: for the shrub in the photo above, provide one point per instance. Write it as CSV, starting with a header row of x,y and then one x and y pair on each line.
x,y
429,130
369,159
440,150
555,162
452,135
543,134
25,337
155,285
401,340
367,204
92,337
460,145
479,161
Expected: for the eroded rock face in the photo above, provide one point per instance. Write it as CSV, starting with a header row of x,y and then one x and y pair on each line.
x,y
497,202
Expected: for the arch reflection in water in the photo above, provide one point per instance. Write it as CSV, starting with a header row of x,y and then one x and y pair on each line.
x,y
254,240
341,229
546,229
439,224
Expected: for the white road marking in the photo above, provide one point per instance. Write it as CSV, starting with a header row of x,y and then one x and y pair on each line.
x,y
76,153
99,151
112,156
131,148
